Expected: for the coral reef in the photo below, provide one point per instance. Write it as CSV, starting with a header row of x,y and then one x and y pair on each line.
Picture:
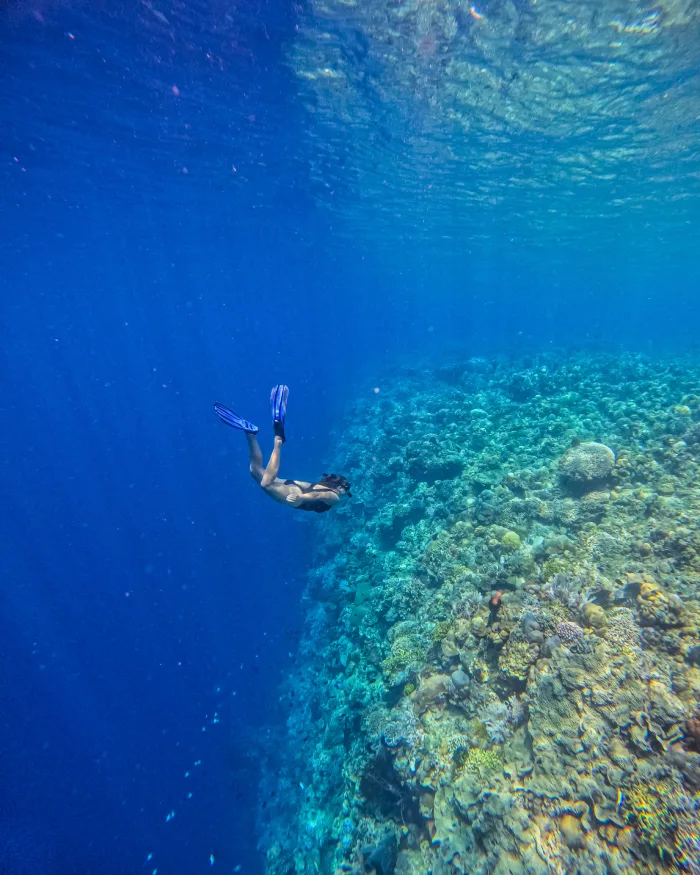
x,y
500,671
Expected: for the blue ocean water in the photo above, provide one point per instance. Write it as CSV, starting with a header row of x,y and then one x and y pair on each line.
x,y
187,215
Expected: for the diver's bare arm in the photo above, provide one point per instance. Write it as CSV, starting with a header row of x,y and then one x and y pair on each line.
x,y
273,465
326,495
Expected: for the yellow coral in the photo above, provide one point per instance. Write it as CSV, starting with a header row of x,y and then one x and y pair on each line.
x,y
511,540
553,566
457,572
657,607
665,817
476,759
516,658
441,630
406,650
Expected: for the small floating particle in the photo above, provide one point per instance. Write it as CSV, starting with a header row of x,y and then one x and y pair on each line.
x,y
376,390
474,13
170,816
189,795
175,90
70,35
211,859
149,858
187,774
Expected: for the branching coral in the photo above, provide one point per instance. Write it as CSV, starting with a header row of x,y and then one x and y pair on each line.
x,y
622,631
568,590
469,604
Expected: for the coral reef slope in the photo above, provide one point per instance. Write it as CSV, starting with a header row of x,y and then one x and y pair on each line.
x,y
500,670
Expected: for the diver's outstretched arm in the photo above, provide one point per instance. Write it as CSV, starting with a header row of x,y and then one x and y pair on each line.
x,y
273,465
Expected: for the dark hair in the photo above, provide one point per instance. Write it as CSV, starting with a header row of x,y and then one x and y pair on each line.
x,y
335,482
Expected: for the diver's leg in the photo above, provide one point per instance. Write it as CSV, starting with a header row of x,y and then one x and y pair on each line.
x,y
273,465
256,458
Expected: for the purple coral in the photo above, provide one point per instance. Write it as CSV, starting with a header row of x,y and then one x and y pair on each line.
x,y
569,632
501,718
572,636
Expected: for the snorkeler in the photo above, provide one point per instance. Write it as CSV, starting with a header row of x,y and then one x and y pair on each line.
x,y
318,497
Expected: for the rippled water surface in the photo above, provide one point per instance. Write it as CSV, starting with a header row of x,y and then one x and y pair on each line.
x,y
558,119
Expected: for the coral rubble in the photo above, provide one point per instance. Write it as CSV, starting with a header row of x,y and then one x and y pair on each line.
x,y
500,671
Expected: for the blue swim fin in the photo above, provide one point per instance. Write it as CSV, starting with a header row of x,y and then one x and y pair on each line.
x,y
232,419
278,408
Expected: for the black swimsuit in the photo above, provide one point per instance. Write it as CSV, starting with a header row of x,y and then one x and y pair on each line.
x,y
315,506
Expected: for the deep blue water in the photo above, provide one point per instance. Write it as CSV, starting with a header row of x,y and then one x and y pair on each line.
x,y
165,244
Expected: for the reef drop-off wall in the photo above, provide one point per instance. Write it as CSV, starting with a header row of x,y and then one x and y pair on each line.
x,y
499,670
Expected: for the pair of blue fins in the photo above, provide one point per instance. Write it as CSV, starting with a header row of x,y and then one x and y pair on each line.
x,y
278,408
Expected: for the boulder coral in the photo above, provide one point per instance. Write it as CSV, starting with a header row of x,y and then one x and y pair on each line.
x,y
587,463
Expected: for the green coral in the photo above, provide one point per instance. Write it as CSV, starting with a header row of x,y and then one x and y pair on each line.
x,y
554,566
406,650
510,541
458,572
476,759
441,630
